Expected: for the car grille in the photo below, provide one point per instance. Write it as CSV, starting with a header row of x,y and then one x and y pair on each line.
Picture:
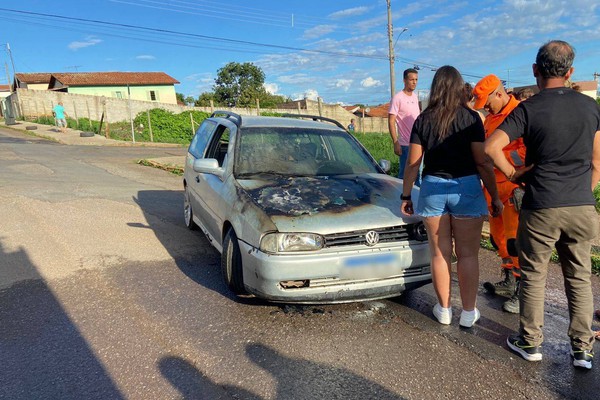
x,y
392,234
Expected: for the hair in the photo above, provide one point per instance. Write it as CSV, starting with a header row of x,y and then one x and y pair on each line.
x,y
524,94
409,71
554,59
468,92
447,95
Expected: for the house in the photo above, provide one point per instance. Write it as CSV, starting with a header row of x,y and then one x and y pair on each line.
x,y
4,91
145,86
32,81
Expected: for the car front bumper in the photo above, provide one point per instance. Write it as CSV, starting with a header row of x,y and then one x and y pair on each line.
x,y
336,275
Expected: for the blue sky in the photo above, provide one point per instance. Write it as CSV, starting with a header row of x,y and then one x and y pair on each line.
x,y
347,62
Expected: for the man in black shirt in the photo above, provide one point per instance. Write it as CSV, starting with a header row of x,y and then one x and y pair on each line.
x,y
561,130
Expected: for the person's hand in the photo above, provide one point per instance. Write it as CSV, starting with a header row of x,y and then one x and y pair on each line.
x,y
407,207
516,177
497,207
397,148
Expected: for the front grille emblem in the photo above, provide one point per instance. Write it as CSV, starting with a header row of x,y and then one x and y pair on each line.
x,y
372,238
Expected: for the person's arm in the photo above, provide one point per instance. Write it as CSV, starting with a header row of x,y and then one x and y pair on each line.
x,y
413,163
596,161
493,149
486,172
394,134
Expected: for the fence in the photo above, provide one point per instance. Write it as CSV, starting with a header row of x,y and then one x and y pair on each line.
x,y
31,104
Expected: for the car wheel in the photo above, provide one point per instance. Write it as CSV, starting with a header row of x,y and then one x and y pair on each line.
x,y
188,214
231,264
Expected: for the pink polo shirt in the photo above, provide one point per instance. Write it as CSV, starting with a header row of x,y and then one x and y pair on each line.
x,y
406,109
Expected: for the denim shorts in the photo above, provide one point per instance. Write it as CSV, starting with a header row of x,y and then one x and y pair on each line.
x,y
459,197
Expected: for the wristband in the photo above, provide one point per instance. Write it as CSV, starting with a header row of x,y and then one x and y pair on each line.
x,y
403,197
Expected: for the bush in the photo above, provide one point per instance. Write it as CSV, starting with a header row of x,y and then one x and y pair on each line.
x,y
168,127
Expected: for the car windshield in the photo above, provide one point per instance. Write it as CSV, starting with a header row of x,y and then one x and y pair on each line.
x,y
299,152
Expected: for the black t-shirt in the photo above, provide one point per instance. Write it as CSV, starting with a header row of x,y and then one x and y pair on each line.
x,y
452,157
558,126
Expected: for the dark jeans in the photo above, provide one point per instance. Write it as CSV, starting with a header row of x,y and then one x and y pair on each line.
x,y
569,230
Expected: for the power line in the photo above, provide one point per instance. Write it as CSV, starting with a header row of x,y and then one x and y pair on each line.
x,y
196,36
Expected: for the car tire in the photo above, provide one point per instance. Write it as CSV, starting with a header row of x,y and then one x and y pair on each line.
x,y
188,213
86,134
231,264
31,128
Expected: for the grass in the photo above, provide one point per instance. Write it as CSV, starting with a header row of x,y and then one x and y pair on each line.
x,y
380,146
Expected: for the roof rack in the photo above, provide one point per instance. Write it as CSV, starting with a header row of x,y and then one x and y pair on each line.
x,y
314,118
228,114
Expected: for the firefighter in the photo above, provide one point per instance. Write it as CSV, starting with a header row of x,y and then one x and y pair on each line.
x,y
490,95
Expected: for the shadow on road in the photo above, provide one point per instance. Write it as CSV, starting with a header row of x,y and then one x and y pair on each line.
x,y
193,384
320,381
42,353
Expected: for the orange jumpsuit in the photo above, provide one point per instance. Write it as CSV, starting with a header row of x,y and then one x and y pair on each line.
x,y
503,228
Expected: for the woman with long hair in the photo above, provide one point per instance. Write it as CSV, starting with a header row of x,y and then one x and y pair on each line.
x,y
448,137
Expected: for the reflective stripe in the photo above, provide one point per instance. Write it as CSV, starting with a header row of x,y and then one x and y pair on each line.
x,y
516,159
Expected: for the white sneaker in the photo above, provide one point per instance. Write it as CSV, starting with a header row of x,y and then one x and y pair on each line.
x,y
468,318
443,315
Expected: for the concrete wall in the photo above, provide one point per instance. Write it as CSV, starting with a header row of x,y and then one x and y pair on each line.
x,y
34,103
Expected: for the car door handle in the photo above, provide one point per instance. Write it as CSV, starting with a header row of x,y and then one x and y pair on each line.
x,y
197,179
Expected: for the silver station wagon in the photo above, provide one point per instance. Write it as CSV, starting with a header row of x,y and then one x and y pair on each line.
x,y
300,211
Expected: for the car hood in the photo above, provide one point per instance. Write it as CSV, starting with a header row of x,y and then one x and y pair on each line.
x,y
329,204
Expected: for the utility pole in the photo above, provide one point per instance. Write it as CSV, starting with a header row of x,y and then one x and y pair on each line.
x,y
11,61
596,75
391,50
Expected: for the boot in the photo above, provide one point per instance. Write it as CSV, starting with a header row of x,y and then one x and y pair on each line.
x,y
505,287
512,305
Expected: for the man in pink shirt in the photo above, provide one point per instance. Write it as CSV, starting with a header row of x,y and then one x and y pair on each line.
x,y
404,110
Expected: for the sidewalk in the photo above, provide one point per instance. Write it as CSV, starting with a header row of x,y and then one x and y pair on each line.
x,y
73,137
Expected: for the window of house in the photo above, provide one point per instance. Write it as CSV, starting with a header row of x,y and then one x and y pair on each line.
x,y
153,95
118,94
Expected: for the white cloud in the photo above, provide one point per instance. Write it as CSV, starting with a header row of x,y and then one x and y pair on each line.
x,y
145,57
343,84
370,82
88,41
310,94
271,87
349,12
295,79
318,31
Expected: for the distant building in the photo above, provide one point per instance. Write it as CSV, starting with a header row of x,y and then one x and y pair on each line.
x,y
145,86
589,88
32,81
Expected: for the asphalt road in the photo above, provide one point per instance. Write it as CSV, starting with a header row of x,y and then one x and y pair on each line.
x,y
104,294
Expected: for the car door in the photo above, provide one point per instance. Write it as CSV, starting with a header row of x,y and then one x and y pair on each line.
x,y
197,149
210,188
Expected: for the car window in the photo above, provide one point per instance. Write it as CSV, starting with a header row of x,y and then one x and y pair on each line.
x,y
219,145
201,138
300,152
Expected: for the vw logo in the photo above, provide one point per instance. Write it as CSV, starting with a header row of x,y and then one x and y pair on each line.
x,y
372,238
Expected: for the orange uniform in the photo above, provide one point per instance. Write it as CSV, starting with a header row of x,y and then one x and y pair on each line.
x,y
503,228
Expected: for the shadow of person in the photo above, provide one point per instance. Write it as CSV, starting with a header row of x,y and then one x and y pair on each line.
x,y
302,379
43,353
193,384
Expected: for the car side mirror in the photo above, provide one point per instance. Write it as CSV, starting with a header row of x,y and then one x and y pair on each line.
x,y
385,165
208,166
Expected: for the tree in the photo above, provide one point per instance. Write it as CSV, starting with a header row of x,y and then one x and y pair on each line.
x,y
180,97
239,85
204,99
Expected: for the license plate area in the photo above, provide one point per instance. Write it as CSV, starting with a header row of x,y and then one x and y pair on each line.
x,y
371,266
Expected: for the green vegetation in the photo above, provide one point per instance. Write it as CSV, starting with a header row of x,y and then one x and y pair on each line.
x,y
380,146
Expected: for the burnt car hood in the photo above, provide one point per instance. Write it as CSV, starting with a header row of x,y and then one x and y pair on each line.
x,y
329,204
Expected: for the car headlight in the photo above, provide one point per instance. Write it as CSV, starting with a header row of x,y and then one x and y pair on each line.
x,y
284,242
417,232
